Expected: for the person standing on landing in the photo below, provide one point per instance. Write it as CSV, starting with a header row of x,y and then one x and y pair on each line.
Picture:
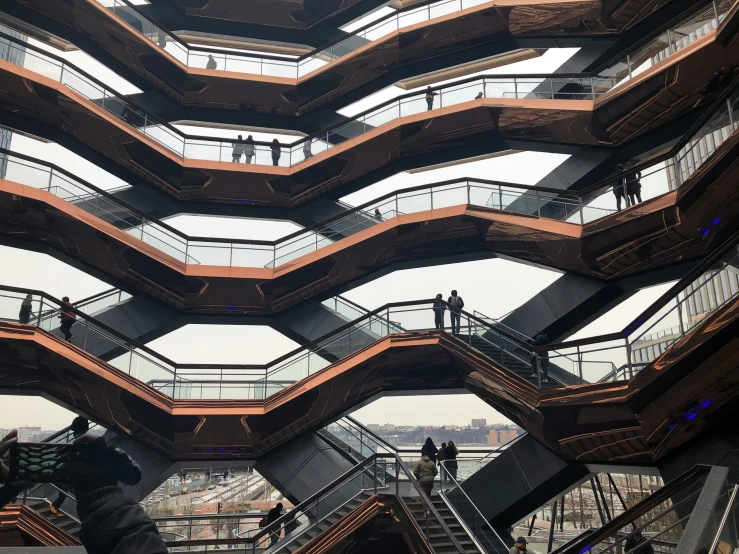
x,y
430,98
439,308
24,316
455,305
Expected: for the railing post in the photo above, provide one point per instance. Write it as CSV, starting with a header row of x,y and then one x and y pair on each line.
x,y
670,47
731,115
374,477
715,12
579,363
628,357
628,64
538,204
40,310
538,368
592,87
680,318
582,216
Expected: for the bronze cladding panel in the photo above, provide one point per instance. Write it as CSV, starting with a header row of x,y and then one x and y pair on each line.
x,y
481,24
636,421
669,90
654,234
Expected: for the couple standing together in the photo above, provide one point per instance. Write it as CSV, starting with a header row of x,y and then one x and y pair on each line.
x,y
455,303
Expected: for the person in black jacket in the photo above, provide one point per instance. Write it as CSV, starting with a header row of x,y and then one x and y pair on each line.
x,y
272,516
439,308
455,305
429,449
619,188
540,339
451,459
633,184
633,544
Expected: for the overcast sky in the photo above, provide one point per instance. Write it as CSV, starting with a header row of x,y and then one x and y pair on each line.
x,y
493,287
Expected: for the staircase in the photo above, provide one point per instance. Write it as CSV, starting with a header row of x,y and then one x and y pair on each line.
x,y
327,522
64,522
511,362
437,537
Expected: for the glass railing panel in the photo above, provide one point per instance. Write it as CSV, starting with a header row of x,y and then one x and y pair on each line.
x,y
36,62
100,304
251,255
165,241
449,195
298,246
412,202
458,94
83,86
27,173
218,254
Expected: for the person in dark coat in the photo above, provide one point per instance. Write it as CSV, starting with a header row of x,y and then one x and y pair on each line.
x,y
429,449
637,544
430,98
439,308
24,316
619,188
633,184
68,318
450,454
272,516
540,339
276,152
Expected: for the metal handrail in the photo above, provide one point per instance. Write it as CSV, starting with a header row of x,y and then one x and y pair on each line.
x,y
379,21
724,518
338,483
449,478
160,122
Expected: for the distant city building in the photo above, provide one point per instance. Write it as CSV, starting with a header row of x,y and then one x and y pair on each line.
x,y
25,434
506,435
374,427
387,427
493,438
41,435
479,422
4,432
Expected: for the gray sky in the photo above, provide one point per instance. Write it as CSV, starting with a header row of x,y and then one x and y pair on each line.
x,y
493,287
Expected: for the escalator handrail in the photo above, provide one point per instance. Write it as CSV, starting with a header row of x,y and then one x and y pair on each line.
x,y
684,480
450,478
338,482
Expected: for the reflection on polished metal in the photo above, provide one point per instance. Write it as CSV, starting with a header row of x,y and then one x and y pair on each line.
x,y
579,111
567,231
293,86
196,411
23,526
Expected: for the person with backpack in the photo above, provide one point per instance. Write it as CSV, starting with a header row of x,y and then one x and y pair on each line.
x,y
425,471
455,305
238,150
272,516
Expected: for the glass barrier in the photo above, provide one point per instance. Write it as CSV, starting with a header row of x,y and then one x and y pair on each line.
x,y
287,155
466,512
652,182
720,535
659,48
